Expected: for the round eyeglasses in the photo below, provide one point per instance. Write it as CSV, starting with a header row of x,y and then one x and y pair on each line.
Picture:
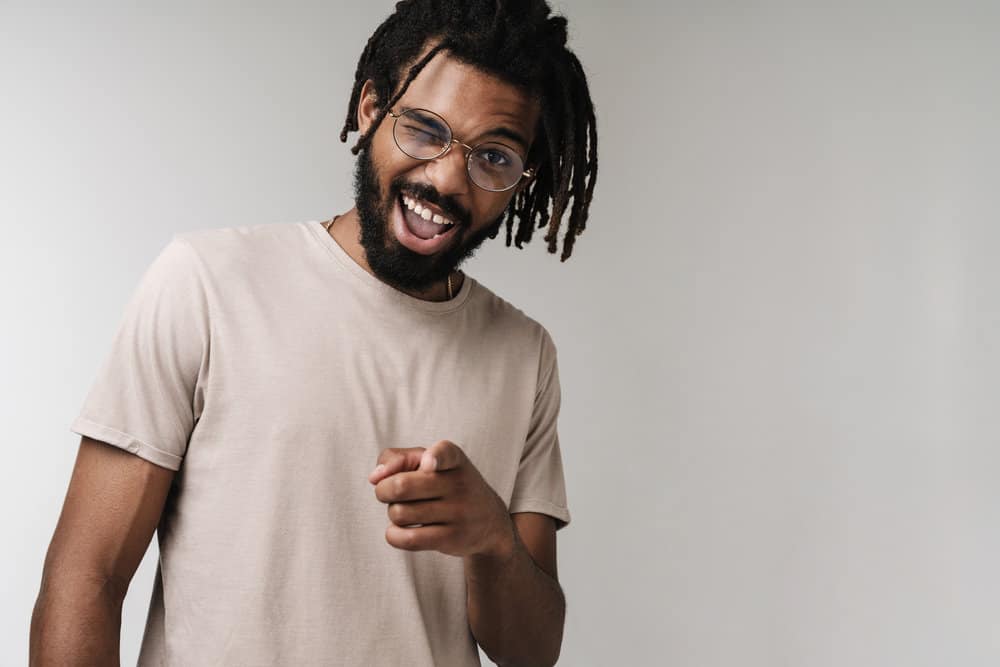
x,y
424,135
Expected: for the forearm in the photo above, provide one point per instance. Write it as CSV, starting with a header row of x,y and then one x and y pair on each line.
x,y
76,623
516,610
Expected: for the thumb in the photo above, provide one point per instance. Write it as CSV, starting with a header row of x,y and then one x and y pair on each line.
x,y
394,460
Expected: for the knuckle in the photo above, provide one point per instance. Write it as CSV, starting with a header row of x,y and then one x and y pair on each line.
x,y
409,540
397,513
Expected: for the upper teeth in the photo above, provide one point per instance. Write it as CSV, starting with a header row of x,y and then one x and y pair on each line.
x,y
425,212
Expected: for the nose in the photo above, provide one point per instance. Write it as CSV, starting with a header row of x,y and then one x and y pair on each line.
x,y
448,173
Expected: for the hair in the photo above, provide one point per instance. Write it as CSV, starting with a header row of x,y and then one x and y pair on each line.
x,y
519,42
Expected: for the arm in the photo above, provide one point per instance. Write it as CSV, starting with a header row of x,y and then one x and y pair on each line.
x,y
111,510
516,606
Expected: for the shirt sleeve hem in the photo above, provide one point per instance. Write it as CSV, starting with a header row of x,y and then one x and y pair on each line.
x,y
129,443
558,512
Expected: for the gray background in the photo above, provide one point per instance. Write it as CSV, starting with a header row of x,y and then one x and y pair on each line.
x,y
777,336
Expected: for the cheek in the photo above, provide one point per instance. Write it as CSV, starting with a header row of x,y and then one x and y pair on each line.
x,y
495,205
392,169
489,205
392,163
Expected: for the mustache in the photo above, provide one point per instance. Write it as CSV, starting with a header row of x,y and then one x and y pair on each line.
x,y
430,194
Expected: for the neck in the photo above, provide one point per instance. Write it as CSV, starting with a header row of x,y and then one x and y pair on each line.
x,y
346,231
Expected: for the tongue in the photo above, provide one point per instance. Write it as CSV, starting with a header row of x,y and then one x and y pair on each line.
x,y
425,229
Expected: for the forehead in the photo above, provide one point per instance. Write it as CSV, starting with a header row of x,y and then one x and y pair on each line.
x,y
471,100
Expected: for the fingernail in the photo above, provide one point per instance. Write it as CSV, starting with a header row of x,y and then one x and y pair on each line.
x,y
379,468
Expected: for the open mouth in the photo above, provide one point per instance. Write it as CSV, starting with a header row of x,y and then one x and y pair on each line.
x,y
420,226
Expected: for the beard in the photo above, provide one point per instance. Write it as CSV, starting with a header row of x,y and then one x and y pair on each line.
x,y
391,261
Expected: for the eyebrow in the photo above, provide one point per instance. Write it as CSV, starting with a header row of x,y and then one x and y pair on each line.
x,y
507,133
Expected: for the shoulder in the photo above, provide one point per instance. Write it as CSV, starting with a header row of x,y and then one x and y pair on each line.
x,y
511,323
243,238
243,248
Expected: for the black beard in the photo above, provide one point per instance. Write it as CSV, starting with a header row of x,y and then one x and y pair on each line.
x,y
392,262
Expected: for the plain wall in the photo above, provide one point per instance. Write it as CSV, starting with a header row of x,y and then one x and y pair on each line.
x,y
777,335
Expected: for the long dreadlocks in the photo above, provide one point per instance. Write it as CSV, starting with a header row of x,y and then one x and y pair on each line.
x,y
520,43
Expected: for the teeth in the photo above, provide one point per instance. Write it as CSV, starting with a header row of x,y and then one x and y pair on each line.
x,y
424,212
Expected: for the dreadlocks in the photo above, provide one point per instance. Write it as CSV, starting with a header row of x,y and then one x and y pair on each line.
x,y
520,43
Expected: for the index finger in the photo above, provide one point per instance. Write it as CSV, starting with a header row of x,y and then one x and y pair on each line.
x,y
442,455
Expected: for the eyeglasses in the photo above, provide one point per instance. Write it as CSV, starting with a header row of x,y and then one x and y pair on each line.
x,y
424,135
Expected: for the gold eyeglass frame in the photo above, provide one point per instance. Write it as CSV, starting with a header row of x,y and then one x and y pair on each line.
x,y
528,173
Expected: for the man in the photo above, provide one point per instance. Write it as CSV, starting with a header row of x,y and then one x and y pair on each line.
x,y
347,446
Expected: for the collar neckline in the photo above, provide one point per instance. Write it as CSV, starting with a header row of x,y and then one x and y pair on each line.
x,y
383,291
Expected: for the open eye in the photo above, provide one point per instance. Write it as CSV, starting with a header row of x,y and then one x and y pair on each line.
x,y
495,157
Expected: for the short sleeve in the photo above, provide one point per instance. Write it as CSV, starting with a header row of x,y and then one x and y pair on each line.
x,y
149,392
540,485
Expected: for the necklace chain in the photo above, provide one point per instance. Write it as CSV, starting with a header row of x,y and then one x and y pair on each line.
x,y
328,223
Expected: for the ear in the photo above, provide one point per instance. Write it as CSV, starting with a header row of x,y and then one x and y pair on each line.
x,y
367,107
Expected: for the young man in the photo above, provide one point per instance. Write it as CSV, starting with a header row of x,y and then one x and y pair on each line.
x,y
260,373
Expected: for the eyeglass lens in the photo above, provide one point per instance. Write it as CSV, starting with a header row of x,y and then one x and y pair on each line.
x,y
424,135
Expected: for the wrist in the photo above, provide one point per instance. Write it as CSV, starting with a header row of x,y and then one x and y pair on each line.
x,y
503,545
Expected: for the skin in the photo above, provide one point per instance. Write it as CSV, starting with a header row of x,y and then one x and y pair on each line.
x,y
473,103
111,509
439,487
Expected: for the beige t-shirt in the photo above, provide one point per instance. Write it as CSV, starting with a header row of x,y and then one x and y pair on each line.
x,y
269,369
